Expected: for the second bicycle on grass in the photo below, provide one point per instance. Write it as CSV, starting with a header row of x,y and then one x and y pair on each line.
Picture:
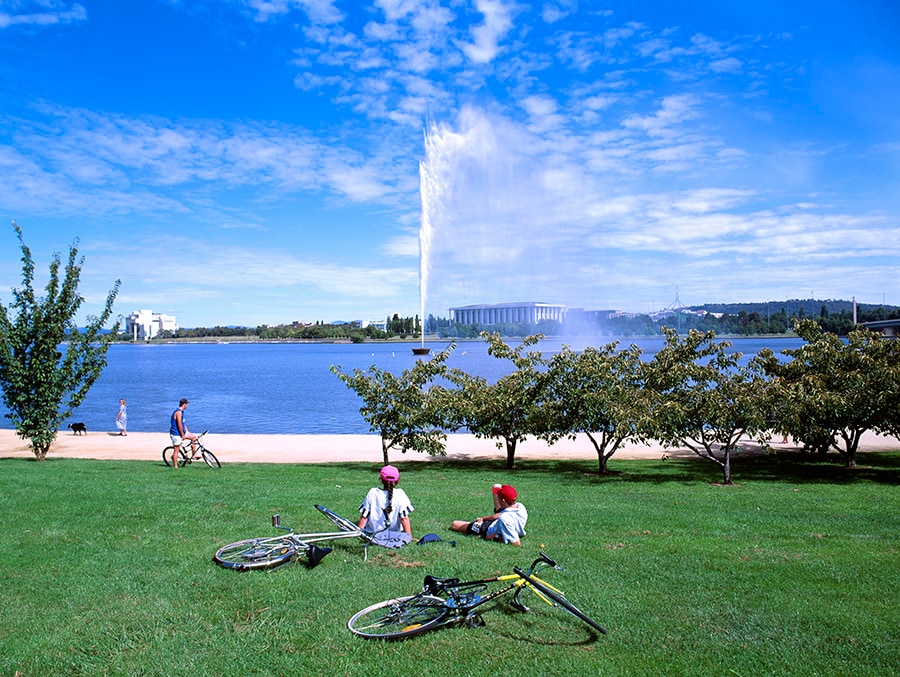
x,y
447,601
272,551
189,452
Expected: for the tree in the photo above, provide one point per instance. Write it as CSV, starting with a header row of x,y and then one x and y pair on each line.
x,y
41,386
704,398
403,410
508,409
834,391
598,392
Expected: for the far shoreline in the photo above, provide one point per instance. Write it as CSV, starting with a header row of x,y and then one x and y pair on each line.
x,y
428,339
363,448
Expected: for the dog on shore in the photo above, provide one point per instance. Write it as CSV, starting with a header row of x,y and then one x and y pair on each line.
x,y
78,428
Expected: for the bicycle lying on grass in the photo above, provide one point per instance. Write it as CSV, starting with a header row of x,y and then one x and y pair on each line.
x,y
188,458
447,601
273,551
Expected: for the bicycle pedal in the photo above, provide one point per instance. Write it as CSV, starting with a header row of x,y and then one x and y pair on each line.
x,y
475,621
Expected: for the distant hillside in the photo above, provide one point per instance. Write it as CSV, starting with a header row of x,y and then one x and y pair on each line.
x,y
792,307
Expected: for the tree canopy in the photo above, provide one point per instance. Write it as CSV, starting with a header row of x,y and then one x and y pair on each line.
x,y
832,391
403,410
599,392
704,398
507,410
48,364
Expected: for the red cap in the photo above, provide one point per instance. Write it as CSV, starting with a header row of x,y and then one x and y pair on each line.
x,y
507,493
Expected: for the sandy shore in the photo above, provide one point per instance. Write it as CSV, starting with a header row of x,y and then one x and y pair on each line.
x,y
343,448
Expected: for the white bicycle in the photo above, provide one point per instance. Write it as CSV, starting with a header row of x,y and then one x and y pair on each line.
x,y
273,551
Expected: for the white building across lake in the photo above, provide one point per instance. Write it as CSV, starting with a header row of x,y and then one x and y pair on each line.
x,y
508,313
143,325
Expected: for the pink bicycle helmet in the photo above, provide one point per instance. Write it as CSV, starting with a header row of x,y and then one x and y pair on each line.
x,y
390,474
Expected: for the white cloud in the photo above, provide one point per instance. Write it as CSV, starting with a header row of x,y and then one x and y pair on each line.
x,y
40,13
485,37
318,11
726,65
672,112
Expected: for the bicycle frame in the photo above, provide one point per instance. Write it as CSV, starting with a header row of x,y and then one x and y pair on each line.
x,y
187,450
445,601
304,540
272,551
465,603
189,443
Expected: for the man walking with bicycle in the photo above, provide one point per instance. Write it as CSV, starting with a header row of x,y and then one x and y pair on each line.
x,y
179,432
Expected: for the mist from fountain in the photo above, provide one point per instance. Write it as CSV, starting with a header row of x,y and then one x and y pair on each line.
x,y
503,221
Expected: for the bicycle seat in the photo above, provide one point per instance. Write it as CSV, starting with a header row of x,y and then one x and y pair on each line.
x,y
315,553
432,583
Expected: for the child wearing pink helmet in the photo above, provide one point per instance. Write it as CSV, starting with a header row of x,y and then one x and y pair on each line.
x,y
388,507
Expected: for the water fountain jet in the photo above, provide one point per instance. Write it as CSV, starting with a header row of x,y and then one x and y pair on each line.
x,y
429,191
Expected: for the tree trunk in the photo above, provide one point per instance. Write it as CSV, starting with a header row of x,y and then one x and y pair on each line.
x,y
385,445
726,466
850,457
510,452
601,455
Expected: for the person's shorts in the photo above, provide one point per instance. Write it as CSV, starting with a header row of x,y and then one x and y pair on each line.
x,y
176,440
479,529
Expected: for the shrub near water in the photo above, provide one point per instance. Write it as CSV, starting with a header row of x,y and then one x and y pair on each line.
x,y
107,569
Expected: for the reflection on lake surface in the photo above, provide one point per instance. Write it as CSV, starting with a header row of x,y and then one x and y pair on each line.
x,y
283,388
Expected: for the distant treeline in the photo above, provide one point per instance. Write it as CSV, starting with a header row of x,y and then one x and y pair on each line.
x,y
741,319
320,331
734,319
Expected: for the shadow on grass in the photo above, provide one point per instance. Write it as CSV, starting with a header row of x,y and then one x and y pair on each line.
x,y
789,467
785,466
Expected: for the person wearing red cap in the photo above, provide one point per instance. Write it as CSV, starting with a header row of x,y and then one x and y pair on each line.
x,y
386,508
507,524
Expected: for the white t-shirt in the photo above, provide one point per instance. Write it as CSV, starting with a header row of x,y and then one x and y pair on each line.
x,y
376,501
510,526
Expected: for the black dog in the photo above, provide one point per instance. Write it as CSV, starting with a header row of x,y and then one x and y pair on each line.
x,y
78,428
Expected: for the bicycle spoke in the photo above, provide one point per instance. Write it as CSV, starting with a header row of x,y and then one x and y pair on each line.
x,y
398,618
256,553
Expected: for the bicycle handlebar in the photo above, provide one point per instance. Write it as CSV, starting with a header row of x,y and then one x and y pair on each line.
x,y
276,522
545,559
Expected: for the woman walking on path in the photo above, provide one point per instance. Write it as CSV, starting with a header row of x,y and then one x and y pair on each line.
x,y
122,418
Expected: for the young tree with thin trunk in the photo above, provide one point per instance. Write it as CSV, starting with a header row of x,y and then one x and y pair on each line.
x,y
406,410
507,410
704,398
834,391
599,392
47,365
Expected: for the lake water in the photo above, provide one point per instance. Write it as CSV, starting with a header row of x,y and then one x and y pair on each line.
x,y
265,388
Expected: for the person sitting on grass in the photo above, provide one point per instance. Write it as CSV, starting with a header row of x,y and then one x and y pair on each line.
x,y
507,524
386,508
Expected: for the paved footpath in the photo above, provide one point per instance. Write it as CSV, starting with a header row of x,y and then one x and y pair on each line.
x,y
344,448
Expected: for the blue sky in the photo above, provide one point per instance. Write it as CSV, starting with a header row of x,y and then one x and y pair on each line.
x,y
265,161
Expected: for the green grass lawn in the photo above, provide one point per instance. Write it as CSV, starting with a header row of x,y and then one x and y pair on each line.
x,y
107,569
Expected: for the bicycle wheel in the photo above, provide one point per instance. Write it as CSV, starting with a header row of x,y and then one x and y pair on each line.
x,y
342,523
398,618
210,458
560,600
256,553
167,457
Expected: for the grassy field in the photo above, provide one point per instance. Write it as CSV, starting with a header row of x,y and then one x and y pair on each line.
x,y
107,569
